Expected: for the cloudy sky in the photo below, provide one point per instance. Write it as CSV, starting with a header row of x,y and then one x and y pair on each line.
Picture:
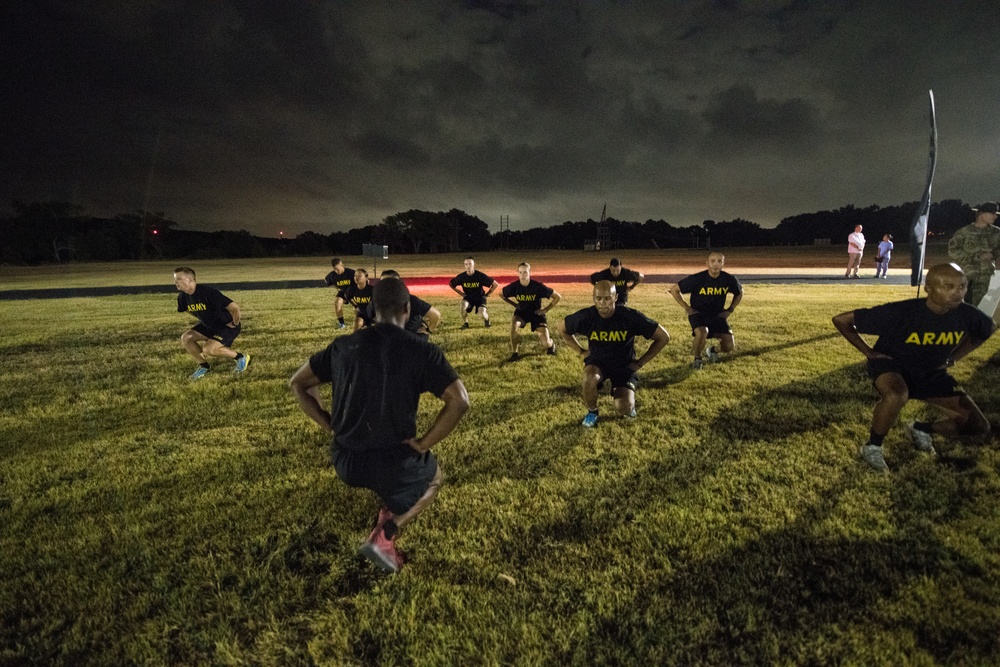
x,y
308,115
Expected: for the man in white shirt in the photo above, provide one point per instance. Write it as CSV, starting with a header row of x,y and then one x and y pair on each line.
x,y
855,246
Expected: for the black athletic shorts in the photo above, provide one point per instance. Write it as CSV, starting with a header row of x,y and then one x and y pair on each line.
x,y
399,476
717,325
533,319
342,295
474,303
226,336
620,376
921,384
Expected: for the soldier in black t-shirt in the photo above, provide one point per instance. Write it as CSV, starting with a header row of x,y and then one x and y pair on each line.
x,y
378,375
424,318
610,331
526,296
359,295
624,280
708,314
340,279
918,340
219,323
476,287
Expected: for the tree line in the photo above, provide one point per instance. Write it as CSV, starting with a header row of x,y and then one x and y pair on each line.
x,y
54,231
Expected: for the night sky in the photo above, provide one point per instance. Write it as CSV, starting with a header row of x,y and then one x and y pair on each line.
x,y
323,116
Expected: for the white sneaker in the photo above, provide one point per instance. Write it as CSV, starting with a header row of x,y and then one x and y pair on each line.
x,y
872,455
922,441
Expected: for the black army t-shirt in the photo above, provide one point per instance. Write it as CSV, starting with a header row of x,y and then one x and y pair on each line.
x,y
474,285
624,277
418,308
208,305
378,375
340,281
611,340
708,294
528,297
917,337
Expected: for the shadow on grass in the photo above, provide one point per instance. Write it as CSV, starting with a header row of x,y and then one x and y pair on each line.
x,y
796,407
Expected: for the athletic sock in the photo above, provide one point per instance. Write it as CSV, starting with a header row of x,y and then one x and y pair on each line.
x,y
875,439
340,319
926,427
204,364
389,528
239,355
593,412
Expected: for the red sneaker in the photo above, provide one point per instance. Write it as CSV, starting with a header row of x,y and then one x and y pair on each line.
x,y
382,552
383,515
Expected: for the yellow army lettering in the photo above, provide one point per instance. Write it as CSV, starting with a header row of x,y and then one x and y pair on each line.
x,y
932,338
709,291
470,285
609,336
525,297
193,307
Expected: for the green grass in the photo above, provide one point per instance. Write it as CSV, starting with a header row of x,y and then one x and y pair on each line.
x,y
148,520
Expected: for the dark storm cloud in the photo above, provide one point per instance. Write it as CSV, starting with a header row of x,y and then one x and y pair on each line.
x,y
739,120
328,114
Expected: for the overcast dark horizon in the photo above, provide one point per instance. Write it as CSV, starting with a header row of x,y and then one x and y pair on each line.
x,y
325,116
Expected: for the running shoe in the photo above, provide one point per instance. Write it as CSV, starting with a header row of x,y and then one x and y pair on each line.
x,y
590,420
382,552
514,356
465,326
872,455
341,325
551,351
922,441
697,364
199,373
486,324
712,354
241,364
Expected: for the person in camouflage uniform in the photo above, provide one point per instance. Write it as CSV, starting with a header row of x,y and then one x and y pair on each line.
x,y
976,248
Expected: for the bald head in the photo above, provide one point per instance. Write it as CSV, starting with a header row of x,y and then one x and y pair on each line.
x,y
605,287
941,272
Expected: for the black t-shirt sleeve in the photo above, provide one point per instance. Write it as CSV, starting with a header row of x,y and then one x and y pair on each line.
x,y
440,374
320,365
485,281
737,286
643,325
508,290
418,306
456,281
330,279
574,321
544,291
596,277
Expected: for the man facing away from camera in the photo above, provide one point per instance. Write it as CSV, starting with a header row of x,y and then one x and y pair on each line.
x,y
377,376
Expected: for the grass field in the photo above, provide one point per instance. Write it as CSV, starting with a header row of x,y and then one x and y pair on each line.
x,y
148,520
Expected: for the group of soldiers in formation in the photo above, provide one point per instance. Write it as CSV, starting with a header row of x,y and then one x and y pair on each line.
x,y
379,372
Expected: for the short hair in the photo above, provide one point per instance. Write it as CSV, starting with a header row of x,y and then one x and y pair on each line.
x,y
390,273
357,271
470,257
889,235
524,264
390,298
185,269
335,261
615,261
